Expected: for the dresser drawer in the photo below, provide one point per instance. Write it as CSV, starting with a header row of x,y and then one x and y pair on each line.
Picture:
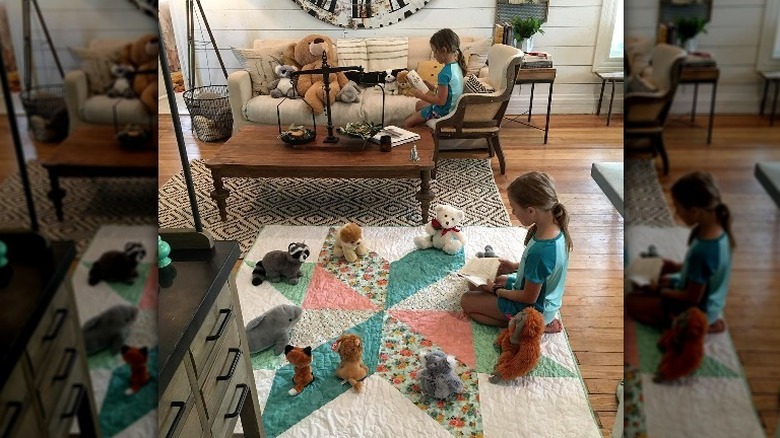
x,y
238,393
176,393
180,419
67,407
62,363
18,420
49,329
228,359
215,324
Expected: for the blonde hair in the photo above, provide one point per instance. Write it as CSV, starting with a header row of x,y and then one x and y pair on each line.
x,y
537,189
699,189
448,41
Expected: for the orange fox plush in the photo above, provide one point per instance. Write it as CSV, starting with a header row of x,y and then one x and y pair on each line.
x,y
301,359
683,346
139,372
521,345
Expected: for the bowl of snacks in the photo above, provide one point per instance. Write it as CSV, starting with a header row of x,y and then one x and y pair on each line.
x,y
295,135
361,130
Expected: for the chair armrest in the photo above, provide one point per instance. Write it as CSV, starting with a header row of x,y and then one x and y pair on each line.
x,y
76,93
240,91
455,117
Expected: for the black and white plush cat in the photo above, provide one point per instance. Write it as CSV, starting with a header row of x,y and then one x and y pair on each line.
x,y
117,266
277,265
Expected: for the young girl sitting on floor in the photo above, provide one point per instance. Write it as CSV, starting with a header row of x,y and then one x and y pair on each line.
x,y
445,45
540,276
702,279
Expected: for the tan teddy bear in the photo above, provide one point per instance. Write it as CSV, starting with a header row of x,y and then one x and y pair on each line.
x,y
405,86
308,54
143,55
349,242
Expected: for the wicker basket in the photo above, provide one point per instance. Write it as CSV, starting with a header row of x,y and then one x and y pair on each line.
x,y
210,112
47,114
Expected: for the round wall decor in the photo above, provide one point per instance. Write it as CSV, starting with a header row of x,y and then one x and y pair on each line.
x,y
361,14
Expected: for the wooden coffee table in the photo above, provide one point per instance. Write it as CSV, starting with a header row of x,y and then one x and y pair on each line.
x,y
92,151
255,151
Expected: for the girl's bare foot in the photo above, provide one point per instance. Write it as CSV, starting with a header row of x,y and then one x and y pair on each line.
x,y
554,326
717,327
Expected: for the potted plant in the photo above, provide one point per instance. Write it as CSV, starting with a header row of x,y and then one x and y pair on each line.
x,y
524,30
687,30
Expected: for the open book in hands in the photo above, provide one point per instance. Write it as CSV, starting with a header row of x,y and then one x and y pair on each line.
x,y
414,78
479,270
645,271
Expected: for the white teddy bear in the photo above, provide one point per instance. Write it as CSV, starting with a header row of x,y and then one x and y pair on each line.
x,y
442,231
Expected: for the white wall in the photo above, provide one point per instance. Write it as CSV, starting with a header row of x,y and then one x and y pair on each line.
x,y
733,37
570,35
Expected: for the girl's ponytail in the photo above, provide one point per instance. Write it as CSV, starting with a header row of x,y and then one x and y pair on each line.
x,y
462,62
531,233
561,217
723,214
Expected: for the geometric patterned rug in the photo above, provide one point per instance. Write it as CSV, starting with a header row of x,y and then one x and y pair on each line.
x,y
403,302
644,198
465,183
121,414
88,204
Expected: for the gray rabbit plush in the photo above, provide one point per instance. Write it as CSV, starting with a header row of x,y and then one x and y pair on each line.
x,y
437,376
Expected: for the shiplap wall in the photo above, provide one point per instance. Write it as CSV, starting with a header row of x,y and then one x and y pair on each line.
x,y
570,35
733,37
73,23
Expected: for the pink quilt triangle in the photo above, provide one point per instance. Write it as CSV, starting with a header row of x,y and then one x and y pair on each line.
x,y
328,292
149,294
449,330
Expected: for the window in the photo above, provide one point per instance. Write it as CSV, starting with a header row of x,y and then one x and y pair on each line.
x,y
769,43
608,55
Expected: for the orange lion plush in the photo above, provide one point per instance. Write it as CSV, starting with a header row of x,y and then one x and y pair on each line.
x,y
301,359
139,372
351,369
308,54
683,346
521,345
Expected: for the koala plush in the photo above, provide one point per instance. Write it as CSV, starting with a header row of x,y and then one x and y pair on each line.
x,y
278,265
437,376
284,85
109,329
122,87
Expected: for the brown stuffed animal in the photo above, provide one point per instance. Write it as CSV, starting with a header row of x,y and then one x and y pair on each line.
x,y
143,55
351,369
521,345
405,87
300,358
349,242
683,346
308,54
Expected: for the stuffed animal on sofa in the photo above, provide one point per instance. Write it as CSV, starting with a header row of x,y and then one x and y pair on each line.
x,y
442,231
277,265
308,53
391,84
121,87
300,358
521,345
351,369
683,346
284,85
437,377
405,86
272,328
143,55
349,93
349,242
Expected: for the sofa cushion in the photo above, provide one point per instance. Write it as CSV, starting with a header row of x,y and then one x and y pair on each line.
x,y
478,54
260,64
387,53
99,109
429,70
352,52
638,84
397,107
96,62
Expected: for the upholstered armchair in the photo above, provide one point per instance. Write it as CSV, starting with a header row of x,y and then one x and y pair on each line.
x,y
645,111
86,106
479,115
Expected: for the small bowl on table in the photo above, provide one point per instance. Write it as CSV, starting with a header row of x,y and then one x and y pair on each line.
x,y
298,136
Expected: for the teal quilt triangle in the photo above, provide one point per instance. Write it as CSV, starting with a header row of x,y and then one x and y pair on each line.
x,y
418,269
120,410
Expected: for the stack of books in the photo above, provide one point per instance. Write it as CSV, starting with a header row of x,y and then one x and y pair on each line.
x,y
537,60
397,135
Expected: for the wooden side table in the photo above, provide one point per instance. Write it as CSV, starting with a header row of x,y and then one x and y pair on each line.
x,y
535,76
774,78
608,77
702,75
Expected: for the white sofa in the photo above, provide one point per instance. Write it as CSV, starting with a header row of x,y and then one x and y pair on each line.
x,y
262,109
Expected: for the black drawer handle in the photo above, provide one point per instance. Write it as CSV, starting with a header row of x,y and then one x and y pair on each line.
x,y
233,365
244,392
17,407
61,314
71,361
222,325
77,403
177,404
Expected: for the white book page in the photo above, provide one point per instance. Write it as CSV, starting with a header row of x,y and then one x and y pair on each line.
x,y
417,81
480,270
644,271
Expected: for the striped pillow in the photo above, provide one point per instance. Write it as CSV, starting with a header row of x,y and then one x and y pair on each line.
x,y
473,85
387,53
352,52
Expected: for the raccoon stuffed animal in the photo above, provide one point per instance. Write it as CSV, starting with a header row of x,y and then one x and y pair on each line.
x,y
116,266
278,265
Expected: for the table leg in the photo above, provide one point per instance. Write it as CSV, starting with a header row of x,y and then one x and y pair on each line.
x,y
531,104
547,120
611,98
774,105
712,112
425,195
763,97
220,194
601,96
695,96
56,193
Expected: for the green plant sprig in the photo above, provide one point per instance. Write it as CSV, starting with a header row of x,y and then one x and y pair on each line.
x,y
689,27
526,27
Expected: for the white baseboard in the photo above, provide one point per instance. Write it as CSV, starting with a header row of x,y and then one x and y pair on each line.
x,y
165,108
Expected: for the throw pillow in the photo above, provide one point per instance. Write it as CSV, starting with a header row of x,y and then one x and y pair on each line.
x,y
96,63
352,52
638,84
476,54
387,53
429,71
260,64
471,84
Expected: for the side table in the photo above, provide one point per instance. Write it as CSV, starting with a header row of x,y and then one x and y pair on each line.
x,y
702,75
535,76
774,78
608,77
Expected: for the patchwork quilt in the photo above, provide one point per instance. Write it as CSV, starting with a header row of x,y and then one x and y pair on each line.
x,y
120,414
402,301
714,402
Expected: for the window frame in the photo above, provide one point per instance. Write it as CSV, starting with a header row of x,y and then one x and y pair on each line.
x,y
769,41
602,63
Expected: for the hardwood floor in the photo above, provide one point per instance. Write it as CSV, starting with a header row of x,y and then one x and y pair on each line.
x,y
753,306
